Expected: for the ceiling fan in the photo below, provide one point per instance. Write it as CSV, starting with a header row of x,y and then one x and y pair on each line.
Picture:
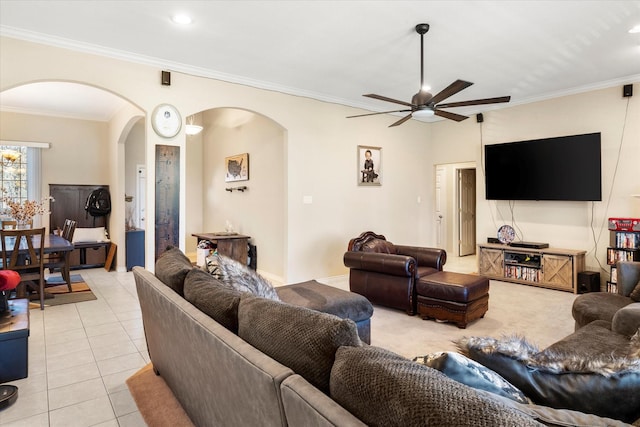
x,y
425,103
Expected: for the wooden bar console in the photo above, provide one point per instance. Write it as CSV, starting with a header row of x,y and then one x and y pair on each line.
x,y
234,246
549,268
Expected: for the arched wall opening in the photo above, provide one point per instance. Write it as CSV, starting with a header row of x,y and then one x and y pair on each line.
x,y
84,149
260,210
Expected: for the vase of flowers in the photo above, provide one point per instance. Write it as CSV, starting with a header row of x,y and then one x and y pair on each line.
x,y
24,211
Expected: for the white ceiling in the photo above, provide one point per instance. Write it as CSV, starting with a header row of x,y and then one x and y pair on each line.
x,y
338,50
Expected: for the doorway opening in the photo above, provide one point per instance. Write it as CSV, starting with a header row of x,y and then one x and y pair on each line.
x,y
455,208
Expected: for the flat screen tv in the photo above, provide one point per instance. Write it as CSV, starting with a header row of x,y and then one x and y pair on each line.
x,y
562,168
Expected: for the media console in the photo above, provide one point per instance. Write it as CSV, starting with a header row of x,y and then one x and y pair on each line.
x,y
552,268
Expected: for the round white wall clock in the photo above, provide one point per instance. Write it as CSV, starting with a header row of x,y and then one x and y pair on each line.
x,y
166,120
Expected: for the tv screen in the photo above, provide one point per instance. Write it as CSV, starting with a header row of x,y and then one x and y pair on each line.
x,y
563,168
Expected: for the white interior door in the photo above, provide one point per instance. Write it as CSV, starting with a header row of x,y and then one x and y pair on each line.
x,y
141,185
467,211
440,206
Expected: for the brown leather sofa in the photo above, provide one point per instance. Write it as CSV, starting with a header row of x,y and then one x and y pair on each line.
x,y
386,273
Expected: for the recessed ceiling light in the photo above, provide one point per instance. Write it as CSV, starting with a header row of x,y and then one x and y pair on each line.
x,y
635,29
181,19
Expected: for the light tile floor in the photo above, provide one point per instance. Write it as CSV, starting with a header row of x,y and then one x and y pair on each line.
x,y
80,356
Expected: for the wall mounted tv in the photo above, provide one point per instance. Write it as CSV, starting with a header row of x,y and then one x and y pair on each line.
x,y
563,168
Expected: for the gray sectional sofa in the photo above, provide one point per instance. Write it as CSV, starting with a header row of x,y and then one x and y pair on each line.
x,y
258,361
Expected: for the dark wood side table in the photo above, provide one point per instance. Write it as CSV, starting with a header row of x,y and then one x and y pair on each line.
x,y
14,345
234,246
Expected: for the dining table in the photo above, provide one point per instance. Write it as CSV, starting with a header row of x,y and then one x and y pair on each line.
x,y
52,244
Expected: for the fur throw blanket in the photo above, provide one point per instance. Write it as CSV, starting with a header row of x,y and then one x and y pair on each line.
x,y
519,349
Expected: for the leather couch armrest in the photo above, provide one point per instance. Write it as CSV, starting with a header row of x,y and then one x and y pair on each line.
x,y
626,321
395,265
425,257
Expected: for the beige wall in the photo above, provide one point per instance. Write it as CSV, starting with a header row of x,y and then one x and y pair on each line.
x,y
320,156
78,148
318,139
561,224
259,211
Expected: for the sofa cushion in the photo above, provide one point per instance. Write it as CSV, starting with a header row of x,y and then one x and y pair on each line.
x,y
241,278
379,246
605,386
212,298
304,340
384,389
469,372
172,267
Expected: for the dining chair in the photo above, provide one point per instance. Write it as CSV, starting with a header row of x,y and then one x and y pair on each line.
x,y
59,260
21,255
8,223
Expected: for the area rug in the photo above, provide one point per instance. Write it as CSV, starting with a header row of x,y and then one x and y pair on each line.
x,y
155,401
60,291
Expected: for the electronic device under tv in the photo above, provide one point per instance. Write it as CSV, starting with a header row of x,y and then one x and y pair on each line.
x,y
562,168
529,245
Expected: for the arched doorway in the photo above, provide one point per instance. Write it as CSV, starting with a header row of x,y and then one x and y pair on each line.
x,y
84,127
260,210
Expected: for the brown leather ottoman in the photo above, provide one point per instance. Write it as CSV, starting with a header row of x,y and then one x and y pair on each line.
x,y
454,297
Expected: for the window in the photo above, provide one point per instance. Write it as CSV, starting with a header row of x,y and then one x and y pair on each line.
x,y
15,168
20,172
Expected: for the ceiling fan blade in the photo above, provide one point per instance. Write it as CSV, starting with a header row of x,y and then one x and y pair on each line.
x,y
450,116
450,90
381,112
401,121
384,98
476,102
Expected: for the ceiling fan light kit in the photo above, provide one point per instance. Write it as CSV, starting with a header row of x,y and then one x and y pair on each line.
x,y
424,104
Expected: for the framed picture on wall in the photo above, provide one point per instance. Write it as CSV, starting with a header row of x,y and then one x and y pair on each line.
x,y
236,168
369,165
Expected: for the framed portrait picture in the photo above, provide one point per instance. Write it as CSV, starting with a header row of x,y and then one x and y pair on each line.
x,y
369,165
236,168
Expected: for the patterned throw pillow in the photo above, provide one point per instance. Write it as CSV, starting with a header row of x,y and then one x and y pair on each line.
x,y
466,371
211,266
238,276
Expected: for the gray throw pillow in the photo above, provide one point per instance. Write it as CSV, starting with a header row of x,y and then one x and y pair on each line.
x,y
172,267
302,339
469,372
212,298
384,389
239,277
606,386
